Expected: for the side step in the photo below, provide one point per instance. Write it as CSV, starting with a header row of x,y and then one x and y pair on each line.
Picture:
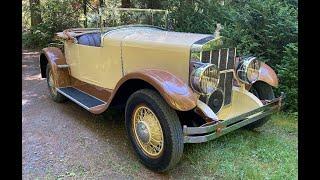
x,y
81,98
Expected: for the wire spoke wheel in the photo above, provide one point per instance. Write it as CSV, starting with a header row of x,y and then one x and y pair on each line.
x,y
52,86
147,130
154,130
51,83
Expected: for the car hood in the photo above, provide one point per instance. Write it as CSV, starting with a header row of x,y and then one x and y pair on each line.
x,y
155,35
155,48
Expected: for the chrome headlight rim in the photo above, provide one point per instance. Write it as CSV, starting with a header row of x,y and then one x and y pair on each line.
x,y
197,75
242,69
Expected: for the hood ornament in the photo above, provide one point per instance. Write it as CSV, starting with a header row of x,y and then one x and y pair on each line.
x,y
217,30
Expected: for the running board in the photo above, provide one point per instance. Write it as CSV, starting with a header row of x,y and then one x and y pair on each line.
x,y
83,99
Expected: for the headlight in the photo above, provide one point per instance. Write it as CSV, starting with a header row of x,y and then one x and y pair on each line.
x,y
205,78
248,70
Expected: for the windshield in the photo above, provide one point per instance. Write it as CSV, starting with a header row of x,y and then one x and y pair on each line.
x,y
113,17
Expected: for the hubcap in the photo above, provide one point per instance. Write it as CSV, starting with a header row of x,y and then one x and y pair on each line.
x,y
147,131
143,132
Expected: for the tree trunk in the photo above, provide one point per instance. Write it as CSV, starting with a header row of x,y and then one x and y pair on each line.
x,y
125,3
84,6
35,12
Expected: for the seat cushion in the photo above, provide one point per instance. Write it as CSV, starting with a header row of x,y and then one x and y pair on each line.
x,y
90,39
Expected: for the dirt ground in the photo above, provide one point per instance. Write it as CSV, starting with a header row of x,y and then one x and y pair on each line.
x,y
64,141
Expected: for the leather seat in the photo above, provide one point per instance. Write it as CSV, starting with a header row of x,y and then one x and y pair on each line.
x,y
90,39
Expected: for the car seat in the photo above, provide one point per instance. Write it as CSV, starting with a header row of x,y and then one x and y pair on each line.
x,y
90,39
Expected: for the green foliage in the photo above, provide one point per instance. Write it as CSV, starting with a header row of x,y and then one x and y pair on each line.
x,y
288,75
267,29
36,37
262,28
56,16
242,154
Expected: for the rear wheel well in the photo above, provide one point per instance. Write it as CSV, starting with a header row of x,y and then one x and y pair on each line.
x,y
43,65
128,88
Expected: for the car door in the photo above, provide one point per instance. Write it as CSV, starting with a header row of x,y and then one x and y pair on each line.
x,y
71,51
90,68
101,66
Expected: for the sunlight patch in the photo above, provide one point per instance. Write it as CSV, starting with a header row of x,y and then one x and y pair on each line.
x,y
34,77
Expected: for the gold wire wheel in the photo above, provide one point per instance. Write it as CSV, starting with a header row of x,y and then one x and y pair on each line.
x,y
147,131
51,83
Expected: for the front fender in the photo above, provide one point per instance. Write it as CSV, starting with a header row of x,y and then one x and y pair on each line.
x,y
268,75
176,92
55,57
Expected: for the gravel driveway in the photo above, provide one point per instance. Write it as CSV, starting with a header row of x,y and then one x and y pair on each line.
x,y
64,141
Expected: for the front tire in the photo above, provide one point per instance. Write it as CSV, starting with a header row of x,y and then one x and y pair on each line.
x,y
54,94
263,91
154,130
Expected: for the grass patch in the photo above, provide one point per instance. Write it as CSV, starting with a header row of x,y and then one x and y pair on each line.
x,y
271,152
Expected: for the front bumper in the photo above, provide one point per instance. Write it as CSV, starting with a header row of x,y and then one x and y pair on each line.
x,y
208,132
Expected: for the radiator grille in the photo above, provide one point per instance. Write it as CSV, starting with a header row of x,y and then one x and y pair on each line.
x,y
224,59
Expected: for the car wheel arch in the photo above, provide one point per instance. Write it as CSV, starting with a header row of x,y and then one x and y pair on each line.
x,y
165,83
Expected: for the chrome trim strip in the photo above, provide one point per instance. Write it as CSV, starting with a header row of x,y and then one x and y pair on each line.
x,y
227,58
209,45
209,132
219,59
227,70
121,59
225,130
63,66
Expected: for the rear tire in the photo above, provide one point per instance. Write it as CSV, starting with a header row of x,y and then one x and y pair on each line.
x,y
165,124
54,94
263,91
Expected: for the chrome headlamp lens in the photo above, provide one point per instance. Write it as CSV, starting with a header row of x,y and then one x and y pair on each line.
x,y
205,79
248,70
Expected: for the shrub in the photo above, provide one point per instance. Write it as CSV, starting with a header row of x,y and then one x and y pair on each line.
x,y
266,29
288,75
56,16
36,37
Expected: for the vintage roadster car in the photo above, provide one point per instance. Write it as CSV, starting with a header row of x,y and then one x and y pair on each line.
x,y
175,87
